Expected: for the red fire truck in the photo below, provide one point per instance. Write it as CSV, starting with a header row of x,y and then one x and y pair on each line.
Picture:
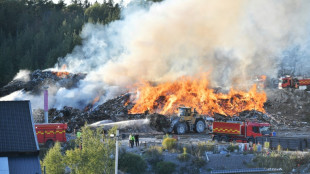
x,y
295,83
49,133
239,131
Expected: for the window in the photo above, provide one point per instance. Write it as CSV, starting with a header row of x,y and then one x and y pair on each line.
x,y
182,112
264,130
255,129
4,165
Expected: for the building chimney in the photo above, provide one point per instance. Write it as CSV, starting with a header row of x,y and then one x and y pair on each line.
x,y
45,104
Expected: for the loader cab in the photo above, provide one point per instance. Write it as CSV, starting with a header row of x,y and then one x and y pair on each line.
x,y
185,111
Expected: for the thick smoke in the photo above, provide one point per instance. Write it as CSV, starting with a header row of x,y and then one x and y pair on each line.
x,y
231,40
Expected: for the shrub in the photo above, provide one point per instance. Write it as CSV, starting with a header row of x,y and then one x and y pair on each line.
x,y
279,148
300,158
70,145
232,147
184,156
275,160
53,160
95,156
189,170
154,154
169,143
165,167
202,147
199,162
132,163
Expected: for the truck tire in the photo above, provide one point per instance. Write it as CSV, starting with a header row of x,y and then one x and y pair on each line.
x,y
200,126
181,128
216,138
49,143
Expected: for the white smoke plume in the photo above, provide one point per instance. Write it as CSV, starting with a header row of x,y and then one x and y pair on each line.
x,y
22,75
231,40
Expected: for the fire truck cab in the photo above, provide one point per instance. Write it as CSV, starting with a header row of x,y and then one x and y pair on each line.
x,y
294,82
49,133
240,131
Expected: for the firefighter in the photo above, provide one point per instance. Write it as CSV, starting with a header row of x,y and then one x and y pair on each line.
x,y
79,137
131,140
137,139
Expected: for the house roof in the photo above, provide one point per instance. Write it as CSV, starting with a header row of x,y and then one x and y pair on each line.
x,y
17,132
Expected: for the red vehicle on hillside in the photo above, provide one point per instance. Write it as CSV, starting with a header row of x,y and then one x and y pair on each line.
x,y
295,83
49,133
239,131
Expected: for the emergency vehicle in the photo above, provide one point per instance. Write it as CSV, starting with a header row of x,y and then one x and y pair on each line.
x,y
49,133
294,82
239,131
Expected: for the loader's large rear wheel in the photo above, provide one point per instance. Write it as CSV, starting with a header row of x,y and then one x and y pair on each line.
x,y
200,126
181,128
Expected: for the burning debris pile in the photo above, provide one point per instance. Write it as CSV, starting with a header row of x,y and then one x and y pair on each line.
x,y
38,79
165,98
157,103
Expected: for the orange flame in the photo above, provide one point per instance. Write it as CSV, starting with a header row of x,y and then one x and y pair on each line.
x,y
96,100
62,73
263,77
165,98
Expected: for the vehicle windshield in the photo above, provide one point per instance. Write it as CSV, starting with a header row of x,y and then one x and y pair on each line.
x,y
264,130
182,112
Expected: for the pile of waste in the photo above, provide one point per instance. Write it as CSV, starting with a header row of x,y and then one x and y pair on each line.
x,y
285,109
37,79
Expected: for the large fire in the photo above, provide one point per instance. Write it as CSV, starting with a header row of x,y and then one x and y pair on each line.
x,y
62,73
165,98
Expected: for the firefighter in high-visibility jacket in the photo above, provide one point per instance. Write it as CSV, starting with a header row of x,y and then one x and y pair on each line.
x,y
79,137
131,140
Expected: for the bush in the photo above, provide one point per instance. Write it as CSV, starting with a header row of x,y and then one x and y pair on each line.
x,y
199,162
70,145
132,163
53,160
232,148
95,156
154,154
203,147
189,170
169,143
300,158
184,156
165,167
275,160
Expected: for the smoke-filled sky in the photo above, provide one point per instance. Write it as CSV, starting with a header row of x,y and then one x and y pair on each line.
x,y
231,40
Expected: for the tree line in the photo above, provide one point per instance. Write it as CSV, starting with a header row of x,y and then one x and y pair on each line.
x,y
35,33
